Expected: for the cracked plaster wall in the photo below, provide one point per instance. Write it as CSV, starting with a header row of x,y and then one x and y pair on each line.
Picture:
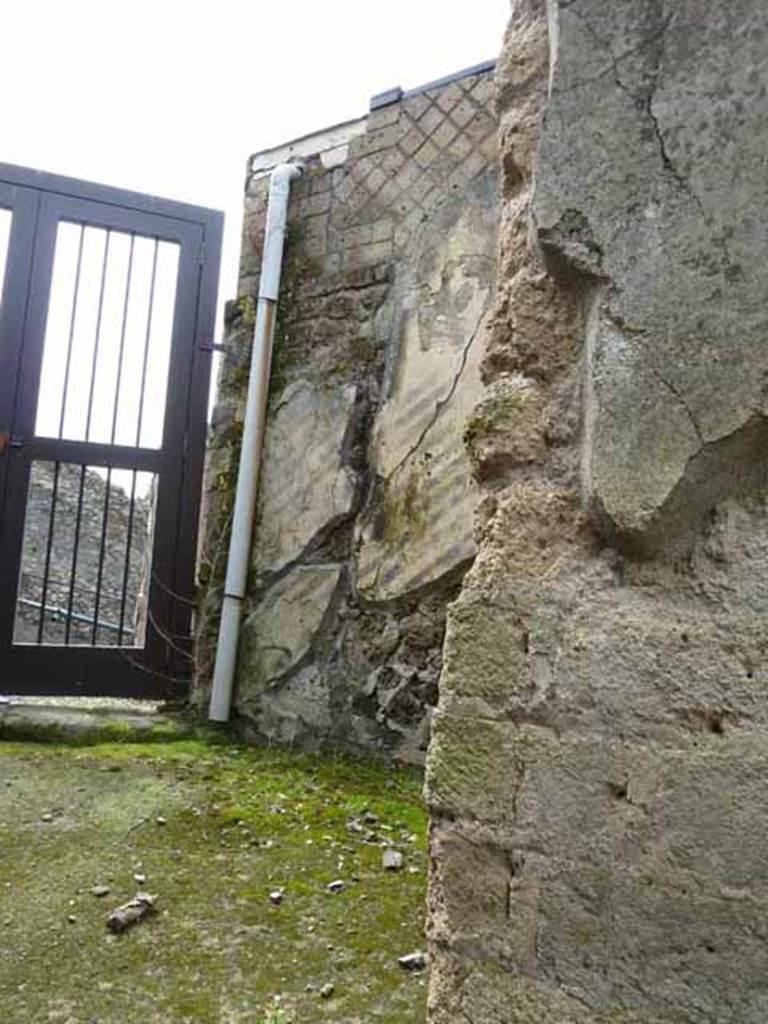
x,y
367,498
596,777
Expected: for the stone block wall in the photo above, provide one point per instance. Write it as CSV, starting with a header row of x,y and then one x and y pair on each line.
x,y
596,777
367,498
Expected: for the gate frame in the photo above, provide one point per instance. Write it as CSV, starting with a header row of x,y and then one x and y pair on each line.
x,y
38,202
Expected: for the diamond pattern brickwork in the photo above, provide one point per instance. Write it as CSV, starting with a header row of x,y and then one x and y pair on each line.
x,y
439,141
413,154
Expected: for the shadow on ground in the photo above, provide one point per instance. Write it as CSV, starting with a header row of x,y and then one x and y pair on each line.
x,y
212,830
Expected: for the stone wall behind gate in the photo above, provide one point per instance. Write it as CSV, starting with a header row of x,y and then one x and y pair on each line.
x,y
367,499
94,570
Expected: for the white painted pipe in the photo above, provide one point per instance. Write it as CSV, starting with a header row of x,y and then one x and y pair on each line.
x,y
253,440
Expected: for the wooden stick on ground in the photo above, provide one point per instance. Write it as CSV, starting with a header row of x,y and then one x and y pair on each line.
x,y
129,913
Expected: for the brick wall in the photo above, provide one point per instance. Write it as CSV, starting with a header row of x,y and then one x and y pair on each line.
x,y
366,501
362,207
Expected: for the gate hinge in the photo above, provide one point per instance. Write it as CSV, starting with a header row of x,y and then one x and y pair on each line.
x,y
211,346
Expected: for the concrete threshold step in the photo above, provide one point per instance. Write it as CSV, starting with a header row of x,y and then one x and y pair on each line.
x,y
89,720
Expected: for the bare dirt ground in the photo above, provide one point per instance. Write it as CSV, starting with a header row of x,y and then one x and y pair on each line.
x,y
240,848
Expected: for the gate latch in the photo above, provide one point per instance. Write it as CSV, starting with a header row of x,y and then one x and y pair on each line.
x,y
6,442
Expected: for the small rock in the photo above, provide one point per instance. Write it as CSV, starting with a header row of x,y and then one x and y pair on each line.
x,y
100,890
336,886
392,860
142,904
276,897
327,990
160,820
140,878
354,826
46,817
370,818
71,918
413,961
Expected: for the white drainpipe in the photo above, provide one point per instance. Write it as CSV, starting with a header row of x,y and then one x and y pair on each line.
x,y
253,439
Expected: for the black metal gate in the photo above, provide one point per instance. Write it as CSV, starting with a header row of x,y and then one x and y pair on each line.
x,y
107,307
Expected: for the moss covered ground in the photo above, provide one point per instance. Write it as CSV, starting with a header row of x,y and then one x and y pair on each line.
x,y
214,829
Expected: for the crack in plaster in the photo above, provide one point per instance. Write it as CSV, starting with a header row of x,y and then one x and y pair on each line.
x,y
621,324
718,239
613,67
680,399
441,403
645,104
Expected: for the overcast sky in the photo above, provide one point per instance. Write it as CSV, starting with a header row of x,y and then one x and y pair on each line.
x,y
170,98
